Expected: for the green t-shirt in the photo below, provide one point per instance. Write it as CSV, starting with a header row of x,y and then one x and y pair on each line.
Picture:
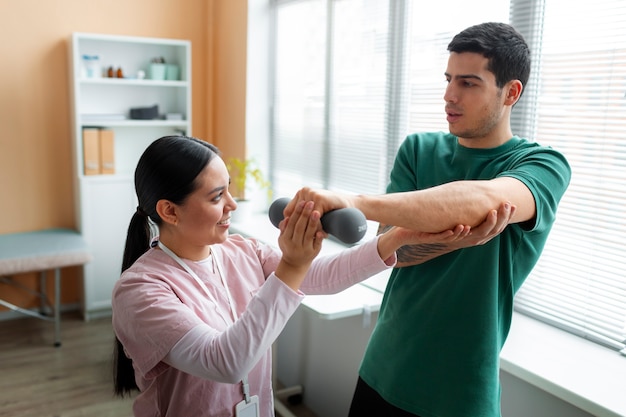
x,y
435,349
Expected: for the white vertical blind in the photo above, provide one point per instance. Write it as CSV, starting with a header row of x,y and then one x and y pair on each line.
x,y
580,281
297,137
360,45
329,103
354,77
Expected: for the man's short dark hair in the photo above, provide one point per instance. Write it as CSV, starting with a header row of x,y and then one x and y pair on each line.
x,y
502,45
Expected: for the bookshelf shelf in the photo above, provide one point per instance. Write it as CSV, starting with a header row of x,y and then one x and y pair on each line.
x,y
133,82
104,122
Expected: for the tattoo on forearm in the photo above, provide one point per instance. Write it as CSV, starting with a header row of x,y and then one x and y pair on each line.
x,y
383,228
417,253
414,254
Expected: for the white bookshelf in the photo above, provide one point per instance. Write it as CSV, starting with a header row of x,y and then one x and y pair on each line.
x,y
106,202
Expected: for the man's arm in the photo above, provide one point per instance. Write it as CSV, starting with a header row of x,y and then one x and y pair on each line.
x,y
447,205
493,225
435,209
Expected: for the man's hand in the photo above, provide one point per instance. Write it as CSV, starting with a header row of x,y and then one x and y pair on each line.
x,y
324,200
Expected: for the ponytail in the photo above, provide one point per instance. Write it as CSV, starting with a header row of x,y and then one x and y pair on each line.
x,y
137,238
137,243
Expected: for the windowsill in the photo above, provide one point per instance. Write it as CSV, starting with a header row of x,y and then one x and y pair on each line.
x,y
577,371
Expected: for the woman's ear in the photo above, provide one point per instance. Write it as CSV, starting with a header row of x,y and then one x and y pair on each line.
x,y
513,92
167,211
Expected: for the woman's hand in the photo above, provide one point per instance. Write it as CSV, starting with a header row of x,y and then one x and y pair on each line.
x,y
300,241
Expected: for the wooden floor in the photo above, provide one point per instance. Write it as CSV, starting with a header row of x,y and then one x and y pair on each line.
x,y
39,380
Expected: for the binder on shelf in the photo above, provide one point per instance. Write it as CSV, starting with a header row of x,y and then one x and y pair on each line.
x,y
91,151
107,151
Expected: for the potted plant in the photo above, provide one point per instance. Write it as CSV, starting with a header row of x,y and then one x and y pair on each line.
x,y
244,172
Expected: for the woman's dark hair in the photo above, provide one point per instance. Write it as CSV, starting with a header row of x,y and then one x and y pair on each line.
x,y
167,170
504,47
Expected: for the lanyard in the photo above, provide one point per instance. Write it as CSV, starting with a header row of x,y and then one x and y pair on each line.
x,y
244,381
201,283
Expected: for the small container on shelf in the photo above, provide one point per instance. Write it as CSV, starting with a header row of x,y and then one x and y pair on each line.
x,y
158,69
91,66
172,72
145,113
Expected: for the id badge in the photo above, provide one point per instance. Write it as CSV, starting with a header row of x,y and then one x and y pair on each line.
x,y
250,409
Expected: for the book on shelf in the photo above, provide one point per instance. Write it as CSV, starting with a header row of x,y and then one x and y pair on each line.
x,y
107,151
91,151
98,151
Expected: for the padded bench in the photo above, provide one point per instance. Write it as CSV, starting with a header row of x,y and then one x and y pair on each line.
x,y
41,251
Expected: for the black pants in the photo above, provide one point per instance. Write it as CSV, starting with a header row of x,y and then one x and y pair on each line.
x,y
367,403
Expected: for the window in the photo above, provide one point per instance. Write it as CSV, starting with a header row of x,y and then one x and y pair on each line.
x,y
330,95
354,77
580,281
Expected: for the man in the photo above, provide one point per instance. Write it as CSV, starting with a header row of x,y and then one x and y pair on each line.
x,y
447,308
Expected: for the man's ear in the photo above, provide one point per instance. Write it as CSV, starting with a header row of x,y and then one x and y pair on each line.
x,y
167,211
513,92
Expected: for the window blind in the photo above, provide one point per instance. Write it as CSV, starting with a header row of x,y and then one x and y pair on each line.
x,y
297,136
332,60
353,77
579,283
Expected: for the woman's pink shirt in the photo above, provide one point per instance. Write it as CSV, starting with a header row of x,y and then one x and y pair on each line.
x,y
156,302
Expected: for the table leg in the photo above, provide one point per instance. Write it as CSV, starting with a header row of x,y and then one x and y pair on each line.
x,y
57,307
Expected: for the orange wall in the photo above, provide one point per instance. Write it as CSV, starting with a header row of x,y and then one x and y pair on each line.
x,y
229,77
36,185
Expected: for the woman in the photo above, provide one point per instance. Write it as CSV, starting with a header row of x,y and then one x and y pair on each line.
x,y
196,310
